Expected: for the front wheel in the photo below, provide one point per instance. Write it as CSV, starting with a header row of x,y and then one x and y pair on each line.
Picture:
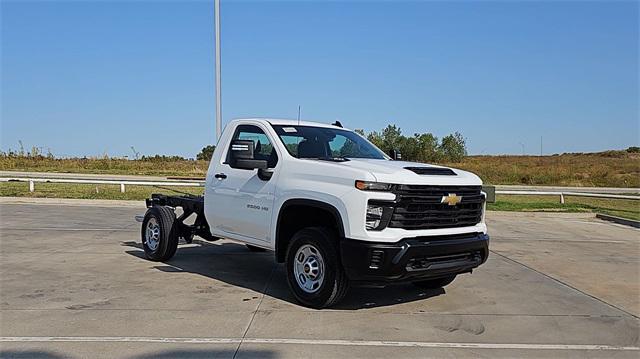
x,y
435,283
314,272
159,234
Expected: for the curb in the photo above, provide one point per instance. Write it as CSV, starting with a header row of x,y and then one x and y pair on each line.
x,y
624,221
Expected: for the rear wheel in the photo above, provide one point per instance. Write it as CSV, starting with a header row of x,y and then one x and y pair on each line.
x,y
435,283
314,272
159,234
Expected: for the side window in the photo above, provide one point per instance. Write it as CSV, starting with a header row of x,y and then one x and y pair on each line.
x,y
263,148
292,143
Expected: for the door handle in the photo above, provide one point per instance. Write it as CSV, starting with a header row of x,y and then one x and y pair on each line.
x,y
220,176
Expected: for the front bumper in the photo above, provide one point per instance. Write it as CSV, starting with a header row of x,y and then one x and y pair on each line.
x,y
413,259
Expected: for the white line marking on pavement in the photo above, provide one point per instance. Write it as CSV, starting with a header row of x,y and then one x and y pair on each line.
x,y
326,342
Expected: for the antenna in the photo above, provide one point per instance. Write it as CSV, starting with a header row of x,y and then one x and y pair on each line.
x,y
299,108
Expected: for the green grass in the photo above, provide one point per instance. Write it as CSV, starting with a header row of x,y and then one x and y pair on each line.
x,y
615,207
87,191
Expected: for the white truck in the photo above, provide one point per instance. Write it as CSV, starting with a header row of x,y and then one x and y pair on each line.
x,y
335,209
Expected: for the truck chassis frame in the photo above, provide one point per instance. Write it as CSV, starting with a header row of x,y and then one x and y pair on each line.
x,y
190,205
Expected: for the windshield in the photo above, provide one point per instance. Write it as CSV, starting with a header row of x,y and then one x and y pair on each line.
x,y
326,143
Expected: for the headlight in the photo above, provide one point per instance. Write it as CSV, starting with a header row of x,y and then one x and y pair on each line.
x,y
374,216
373,186
378,216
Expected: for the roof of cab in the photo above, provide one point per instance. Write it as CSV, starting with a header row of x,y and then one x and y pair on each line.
x,y
287,122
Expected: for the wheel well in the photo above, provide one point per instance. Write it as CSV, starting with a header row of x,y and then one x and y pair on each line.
x,y
298,214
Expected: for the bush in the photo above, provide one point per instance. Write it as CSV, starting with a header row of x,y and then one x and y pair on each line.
x,y
206,153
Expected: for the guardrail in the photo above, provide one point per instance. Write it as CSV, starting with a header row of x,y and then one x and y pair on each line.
x,y
566,193
124,183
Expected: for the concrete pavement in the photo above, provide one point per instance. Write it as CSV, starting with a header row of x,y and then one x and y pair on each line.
x,y
74,283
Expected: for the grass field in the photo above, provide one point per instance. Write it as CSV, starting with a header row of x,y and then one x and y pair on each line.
x,y
622,208
615,207
88,191
605,169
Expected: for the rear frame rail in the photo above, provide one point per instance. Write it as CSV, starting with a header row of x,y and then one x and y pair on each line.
x,y
190,205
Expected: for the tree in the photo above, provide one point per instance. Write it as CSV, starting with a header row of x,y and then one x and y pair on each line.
x,y
409,149
421,147
391,138
428,147
375,138
206,153
453,147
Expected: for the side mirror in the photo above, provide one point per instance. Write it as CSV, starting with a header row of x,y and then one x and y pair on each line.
x,y
395,155
265,174
241,156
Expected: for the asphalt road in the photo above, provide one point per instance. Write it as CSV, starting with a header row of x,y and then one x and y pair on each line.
x,y
73,283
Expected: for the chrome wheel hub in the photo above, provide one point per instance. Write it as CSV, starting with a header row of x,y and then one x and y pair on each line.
x,y
309,268
152,234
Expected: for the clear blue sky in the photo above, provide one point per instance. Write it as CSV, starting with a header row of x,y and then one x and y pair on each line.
x,y
87,78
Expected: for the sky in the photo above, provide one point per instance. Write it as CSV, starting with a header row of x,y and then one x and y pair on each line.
x,y
97,77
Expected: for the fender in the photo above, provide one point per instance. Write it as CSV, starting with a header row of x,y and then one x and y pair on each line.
x,y
308,203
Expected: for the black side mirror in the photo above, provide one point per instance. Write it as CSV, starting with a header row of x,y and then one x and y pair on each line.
x,y
241,156
265,174
395,155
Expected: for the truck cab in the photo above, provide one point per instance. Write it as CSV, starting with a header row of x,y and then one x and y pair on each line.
x,y
335,209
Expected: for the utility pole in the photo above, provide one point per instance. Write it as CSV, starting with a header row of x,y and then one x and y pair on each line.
x,y
216,16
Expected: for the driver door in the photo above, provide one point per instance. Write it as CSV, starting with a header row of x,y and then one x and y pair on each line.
x,y
244,201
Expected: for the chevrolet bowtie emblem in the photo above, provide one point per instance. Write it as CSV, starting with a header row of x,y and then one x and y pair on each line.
x,y
451,199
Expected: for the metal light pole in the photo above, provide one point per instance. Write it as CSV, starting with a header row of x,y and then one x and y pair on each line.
x,y
217,60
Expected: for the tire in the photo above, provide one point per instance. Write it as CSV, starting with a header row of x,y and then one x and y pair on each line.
x,y
161,245
435,283
254,248
320,256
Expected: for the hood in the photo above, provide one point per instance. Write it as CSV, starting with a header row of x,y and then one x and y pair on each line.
x,y
395,172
